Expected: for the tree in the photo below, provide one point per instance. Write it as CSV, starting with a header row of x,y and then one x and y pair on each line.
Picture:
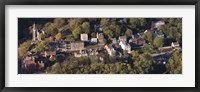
x,y
178,37
142,22
158,42
93,35
150,37
144,65
179,26
58,22
23,48
76,32
172,32
134,55
117,31
52,59
58,36
104,22
42,46
109,33
86,27
138,22
164,29
74,23
134,22
174,64
128,32
50,29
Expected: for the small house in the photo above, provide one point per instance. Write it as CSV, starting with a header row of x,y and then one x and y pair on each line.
x,y
137,41
94,40
125,46
111,51
49,53
175,44
84,37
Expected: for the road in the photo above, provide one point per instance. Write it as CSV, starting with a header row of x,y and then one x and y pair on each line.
x,y
157,54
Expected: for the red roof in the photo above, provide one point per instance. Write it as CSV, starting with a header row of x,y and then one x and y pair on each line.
x,y
165,49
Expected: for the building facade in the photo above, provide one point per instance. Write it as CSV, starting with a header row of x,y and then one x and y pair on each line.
x,y
77,45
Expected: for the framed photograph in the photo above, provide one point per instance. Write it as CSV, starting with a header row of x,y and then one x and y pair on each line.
x,y
147,45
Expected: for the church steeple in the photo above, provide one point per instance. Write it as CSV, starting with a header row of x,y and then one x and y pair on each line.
x,y
34,32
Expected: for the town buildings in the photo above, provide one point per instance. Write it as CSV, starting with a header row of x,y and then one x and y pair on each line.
x,y
87,52
117,48
30,65
77,45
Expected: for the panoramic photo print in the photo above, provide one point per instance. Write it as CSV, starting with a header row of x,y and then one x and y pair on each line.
x,y
99,45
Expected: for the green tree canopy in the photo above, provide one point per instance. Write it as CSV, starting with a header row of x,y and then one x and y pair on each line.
x,y
76,32
104,22
174,65
158,42
128,32
150,37
74,23
58,22
52,59
86,27
42,46
24,47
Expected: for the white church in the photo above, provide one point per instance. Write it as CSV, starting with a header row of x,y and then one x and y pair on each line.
x,y
37,34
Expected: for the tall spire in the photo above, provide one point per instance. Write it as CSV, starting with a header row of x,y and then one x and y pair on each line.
x,y
34,25
34,32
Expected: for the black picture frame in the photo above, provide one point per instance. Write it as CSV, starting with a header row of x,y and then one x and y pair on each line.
x,y
3,3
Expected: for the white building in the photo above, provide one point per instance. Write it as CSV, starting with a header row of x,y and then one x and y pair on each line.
x,y
94,40
159,23
175,44
84,37
125,46
37,34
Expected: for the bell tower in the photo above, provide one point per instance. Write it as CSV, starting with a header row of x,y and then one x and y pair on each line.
x,y
34,32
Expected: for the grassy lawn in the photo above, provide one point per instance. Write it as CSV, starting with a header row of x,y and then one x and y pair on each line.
x,y
94,46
